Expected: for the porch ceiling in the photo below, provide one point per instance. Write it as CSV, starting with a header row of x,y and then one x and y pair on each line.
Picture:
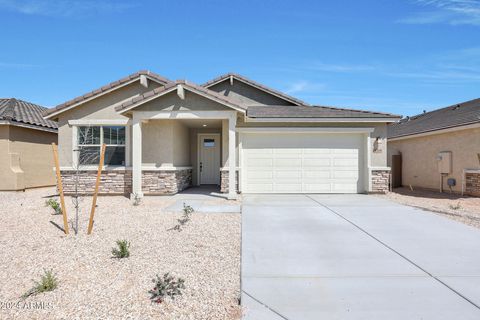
x,y
197,124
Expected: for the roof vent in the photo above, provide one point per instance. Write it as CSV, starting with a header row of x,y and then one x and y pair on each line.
x,y
456,107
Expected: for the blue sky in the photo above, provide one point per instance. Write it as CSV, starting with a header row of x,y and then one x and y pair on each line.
x,y
393,56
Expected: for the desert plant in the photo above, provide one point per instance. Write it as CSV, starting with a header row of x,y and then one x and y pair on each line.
x,y
53,203
136,200
187,211
48,282
455,206
123,250
166,286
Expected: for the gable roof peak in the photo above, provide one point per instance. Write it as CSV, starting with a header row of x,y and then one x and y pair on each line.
x,y
255,84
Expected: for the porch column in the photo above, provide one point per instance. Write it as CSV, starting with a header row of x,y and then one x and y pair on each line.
x,y
232,185
136,158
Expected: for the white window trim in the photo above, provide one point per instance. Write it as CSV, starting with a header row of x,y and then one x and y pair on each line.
x,y
75,145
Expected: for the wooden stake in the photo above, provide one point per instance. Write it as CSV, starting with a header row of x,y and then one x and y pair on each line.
x,y
97,185
60,188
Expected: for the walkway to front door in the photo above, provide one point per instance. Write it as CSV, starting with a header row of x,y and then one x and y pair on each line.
x,y
355,257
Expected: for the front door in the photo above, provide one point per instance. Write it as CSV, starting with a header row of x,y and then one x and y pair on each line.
x,y
209,159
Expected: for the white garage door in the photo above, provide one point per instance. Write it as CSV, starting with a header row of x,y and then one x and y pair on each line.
x,y
302,163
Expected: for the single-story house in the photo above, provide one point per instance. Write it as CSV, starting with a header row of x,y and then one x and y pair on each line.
x,y
26,157
163,136
438,148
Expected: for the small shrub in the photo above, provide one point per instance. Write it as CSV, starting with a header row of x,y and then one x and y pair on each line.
x,y
48,282
123,250
187,211
53,203
455,206
166,286
136,200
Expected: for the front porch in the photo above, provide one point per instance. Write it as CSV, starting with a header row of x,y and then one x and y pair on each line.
x,y
173,150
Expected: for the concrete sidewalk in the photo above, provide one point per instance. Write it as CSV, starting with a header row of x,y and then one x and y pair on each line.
x,y
355,257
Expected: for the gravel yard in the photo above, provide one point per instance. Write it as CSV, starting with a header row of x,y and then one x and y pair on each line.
x,y
453,206
92,284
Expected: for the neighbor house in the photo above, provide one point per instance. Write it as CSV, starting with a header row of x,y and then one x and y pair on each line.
x,y
163,136
439,149
26,157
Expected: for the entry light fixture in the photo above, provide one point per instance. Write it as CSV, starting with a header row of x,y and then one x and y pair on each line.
x,y
204,125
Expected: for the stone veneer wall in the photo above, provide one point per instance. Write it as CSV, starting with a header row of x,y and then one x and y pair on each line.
x,y
472,183
166,182
120,181
224,181
111,182
380,181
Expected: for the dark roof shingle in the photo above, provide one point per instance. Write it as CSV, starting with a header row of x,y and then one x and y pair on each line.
x,y
26,112
312,112
452,116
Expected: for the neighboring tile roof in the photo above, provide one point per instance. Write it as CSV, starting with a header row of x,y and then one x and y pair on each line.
x,y
105,88
170,85
255,84
453,116
21,111
312,112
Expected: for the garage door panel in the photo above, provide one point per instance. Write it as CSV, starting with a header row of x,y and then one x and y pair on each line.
x,y
316,162
302,163
345,174
287,163
289,174
290,187
259,174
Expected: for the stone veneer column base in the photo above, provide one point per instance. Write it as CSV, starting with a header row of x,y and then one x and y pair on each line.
x,y
117,182
380,181
472,184
224,181
166,181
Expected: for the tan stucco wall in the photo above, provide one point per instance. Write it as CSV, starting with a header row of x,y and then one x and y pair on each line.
x,y
100,108
165,143
247,95
419,164
26,159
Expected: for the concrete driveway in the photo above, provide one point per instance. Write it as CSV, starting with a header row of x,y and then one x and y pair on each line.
x,y
355,257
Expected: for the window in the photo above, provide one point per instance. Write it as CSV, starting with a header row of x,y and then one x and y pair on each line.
x,y
90,140
209,143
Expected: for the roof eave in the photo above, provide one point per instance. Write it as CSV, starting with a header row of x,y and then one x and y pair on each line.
x,y
122,110
322,119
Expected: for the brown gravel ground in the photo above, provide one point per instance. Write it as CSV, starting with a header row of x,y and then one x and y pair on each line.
x,y
93,285
453,206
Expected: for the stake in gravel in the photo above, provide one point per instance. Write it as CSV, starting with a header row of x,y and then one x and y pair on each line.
x,y
60,188
97,185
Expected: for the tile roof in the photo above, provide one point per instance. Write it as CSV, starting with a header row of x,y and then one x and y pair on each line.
x,y
170,85
255,84
25,112
105,88
452,116
312,112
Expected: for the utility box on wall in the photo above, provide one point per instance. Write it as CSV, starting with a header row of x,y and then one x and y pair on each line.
x,y
444,161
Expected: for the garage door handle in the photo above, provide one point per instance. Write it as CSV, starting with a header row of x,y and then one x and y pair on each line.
x,y
201,167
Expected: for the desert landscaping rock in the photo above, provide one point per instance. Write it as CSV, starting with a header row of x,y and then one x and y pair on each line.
x,y
93,285
463,209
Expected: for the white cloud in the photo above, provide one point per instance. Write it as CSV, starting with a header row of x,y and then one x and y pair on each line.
x,y
303,86
454,12
64,8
